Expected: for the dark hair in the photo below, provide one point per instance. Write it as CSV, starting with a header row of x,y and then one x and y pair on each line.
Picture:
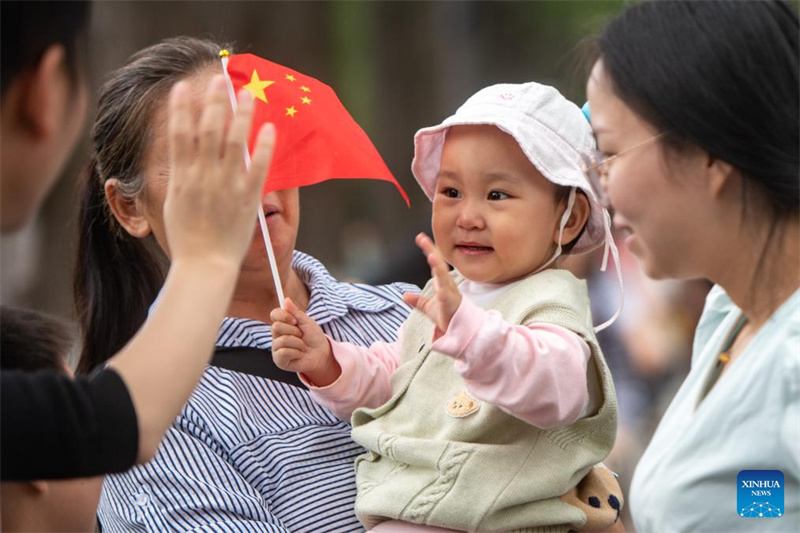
x,y
723,76
31,341
117,276
28,29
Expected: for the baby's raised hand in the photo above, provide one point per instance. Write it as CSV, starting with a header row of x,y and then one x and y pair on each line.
x,y
443,304
299,345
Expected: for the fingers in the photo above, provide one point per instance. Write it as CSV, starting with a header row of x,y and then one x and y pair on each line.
x,y
237,136
216,108
280,329
288,321
288,342
288,359
180,131
301,318
411,299
282,315
416,301
283,323
289,352
437,263
262,155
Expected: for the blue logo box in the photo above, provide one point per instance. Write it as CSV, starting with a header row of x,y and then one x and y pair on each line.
x,y
759,494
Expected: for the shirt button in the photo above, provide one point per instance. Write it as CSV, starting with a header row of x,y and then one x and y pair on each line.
x,y
142,499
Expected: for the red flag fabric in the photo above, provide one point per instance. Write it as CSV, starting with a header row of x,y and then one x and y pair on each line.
x,y
317,139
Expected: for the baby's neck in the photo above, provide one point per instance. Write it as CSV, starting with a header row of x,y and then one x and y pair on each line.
x,y
504,282
481,293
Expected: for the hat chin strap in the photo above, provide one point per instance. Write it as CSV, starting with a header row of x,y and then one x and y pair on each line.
x,y
564,218
612,247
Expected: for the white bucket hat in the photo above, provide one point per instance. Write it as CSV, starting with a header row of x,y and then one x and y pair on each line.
x,y
550,130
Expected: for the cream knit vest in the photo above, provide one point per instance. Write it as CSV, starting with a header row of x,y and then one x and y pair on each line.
x,y
488,471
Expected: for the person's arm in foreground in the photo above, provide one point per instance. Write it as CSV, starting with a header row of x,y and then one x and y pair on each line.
x,y
208,233
209,216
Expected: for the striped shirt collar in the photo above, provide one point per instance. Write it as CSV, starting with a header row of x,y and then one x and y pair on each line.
x,y
326,292
329,299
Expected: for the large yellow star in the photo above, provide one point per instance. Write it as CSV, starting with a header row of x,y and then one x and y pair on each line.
x,y
257,86
291,111
306,100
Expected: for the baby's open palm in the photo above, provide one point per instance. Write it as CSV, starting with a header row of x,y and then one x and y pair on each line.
x,y
440,307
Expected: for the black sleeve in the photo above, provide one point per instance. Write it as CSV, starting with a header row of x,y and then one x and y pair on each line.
x,y
54,427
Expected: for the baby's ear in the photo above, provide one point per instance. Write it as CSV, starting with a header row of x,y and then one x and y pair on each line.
x,y
577,218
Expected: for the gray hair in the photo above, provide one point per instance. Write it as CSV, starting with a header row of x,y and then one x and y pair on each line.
x,y
117,276
129,100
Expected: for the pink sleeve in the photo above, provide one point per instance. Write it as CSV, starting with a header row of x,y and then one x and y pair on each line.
x,y
536,373
365,377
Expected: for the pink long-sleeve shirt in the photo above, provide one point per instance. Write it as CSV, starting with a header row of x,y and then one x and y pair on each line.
x,y
537,372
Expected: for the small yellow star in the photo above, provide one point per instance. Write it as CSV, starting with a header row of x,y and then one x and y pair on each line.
x,y
305,89
290,77
257,86
290,111
306,100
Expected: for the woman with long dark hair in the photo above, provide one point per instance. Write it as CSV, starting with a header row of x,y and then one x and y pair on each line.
x,y
250,450
695,110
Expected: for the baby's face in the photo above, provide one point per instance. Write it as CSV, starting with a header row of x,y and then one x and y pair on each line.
x,y
494,215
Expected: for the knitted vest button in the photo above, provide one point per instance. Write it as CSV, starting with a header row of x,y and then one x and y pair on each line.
x,y
461,405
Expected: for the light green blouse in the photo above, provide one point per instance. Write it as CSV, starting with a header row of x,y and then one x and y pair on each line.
x,y
750,420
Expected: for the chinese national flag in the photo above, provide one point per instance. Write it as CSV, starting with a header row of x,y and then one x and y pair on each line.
x,y
317,139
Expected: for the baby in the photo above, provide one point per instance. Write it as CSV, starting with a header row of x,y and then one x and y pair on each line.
x,y
496,399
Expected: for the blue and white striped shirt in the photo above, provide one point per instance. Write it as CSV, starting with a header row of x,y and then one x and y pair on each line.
x,y
252,454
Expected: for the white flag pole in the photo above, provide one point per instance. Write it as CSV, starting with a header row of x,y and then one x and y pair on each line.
x,y
262,218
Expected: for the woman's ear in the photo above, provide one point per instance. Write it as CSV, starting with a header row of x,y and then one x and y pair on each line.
x,y
577,218
39,486
128,212
720,174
